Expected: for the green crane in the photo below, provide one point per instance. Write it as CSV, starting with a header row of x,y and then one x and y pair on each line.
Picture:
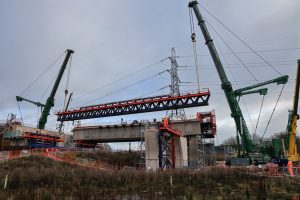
x,y
246,142
38,104
50,101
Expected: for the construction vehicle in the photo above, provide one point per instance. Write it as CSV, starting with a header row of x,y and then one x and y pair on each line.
x,y
292,153
248,151
50,101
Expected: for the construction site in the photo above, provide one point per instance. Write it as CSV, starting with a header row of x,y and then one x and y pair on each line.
x,y
174,141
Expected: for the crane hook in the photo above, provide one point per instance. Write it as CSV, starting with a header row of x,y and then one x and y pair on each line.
x,y
193,36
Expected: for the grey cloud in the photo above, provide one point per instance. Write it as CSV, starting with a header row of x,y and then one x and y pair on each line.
x,y
114,38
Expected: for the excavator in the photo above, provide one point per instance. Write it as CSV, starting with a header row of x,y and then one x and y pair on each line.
x,y
249,152
292,153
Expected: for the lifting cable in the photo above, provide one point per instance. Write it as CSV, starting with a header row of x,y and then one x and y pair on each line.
x,y
67,82
241,40
34,81
20,113
247,52
234,53
273,112
236,82
193,37
249,116
258,118
37,115
52,81
44,93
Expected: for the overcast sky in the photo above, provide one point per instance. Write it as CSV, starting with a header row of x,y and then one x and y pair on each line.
x,y
129,38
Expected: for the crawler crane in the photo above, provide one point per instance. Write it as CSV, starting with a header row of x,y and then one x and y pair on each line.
x,y
247,149
50,101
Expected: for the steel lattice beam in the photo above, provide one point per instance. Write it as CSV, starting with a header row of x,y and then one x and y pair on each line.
x,y
134,106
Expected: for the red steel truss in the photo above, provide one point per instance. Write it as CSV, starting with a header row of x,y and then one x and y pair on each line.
x,y
133,106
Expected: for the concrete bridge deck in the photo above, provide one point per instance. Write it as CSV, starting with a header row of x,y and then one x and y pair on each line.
x,y
130,132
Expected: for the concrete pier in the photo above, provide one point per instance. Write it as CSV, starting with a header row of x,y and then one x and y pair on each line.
x,y
151,145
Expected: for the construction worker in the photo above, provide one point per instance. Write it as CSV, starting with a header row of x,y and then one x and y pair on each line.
x,y
165,122
290,168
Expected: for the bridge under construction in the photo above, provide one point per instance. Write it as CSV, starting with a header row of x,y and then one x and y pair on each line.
x,y
174,143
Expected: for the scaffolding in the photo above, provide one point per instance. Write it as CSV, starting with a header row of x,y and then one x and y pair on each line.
x,y
141,160
206,146
14,135
166,145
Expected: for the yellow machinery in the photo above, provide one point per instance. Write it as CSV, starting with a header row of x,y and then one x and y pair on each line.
x,y
292,153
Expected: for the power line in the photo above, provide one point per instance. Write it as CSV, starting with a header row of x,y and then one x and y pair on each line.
x,y
119,79
124,88
154,91
241,40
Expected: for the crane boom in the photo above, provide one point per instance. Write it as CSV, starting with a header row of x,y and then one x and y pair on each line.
x,y
50,101
242,129
296,98
236,113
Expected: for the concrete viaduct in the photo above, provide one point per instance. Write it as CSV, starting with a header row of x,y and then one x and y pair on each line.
x,y
186,151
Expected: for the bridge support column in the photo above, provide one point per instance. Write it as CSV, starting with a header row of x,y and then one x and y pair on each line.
x,y
151,148
177,145
193,151
181,152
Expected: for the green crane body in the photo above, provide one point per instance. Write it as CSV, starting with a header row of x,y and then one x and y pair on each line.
x,y
50,101
38,104
247,143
